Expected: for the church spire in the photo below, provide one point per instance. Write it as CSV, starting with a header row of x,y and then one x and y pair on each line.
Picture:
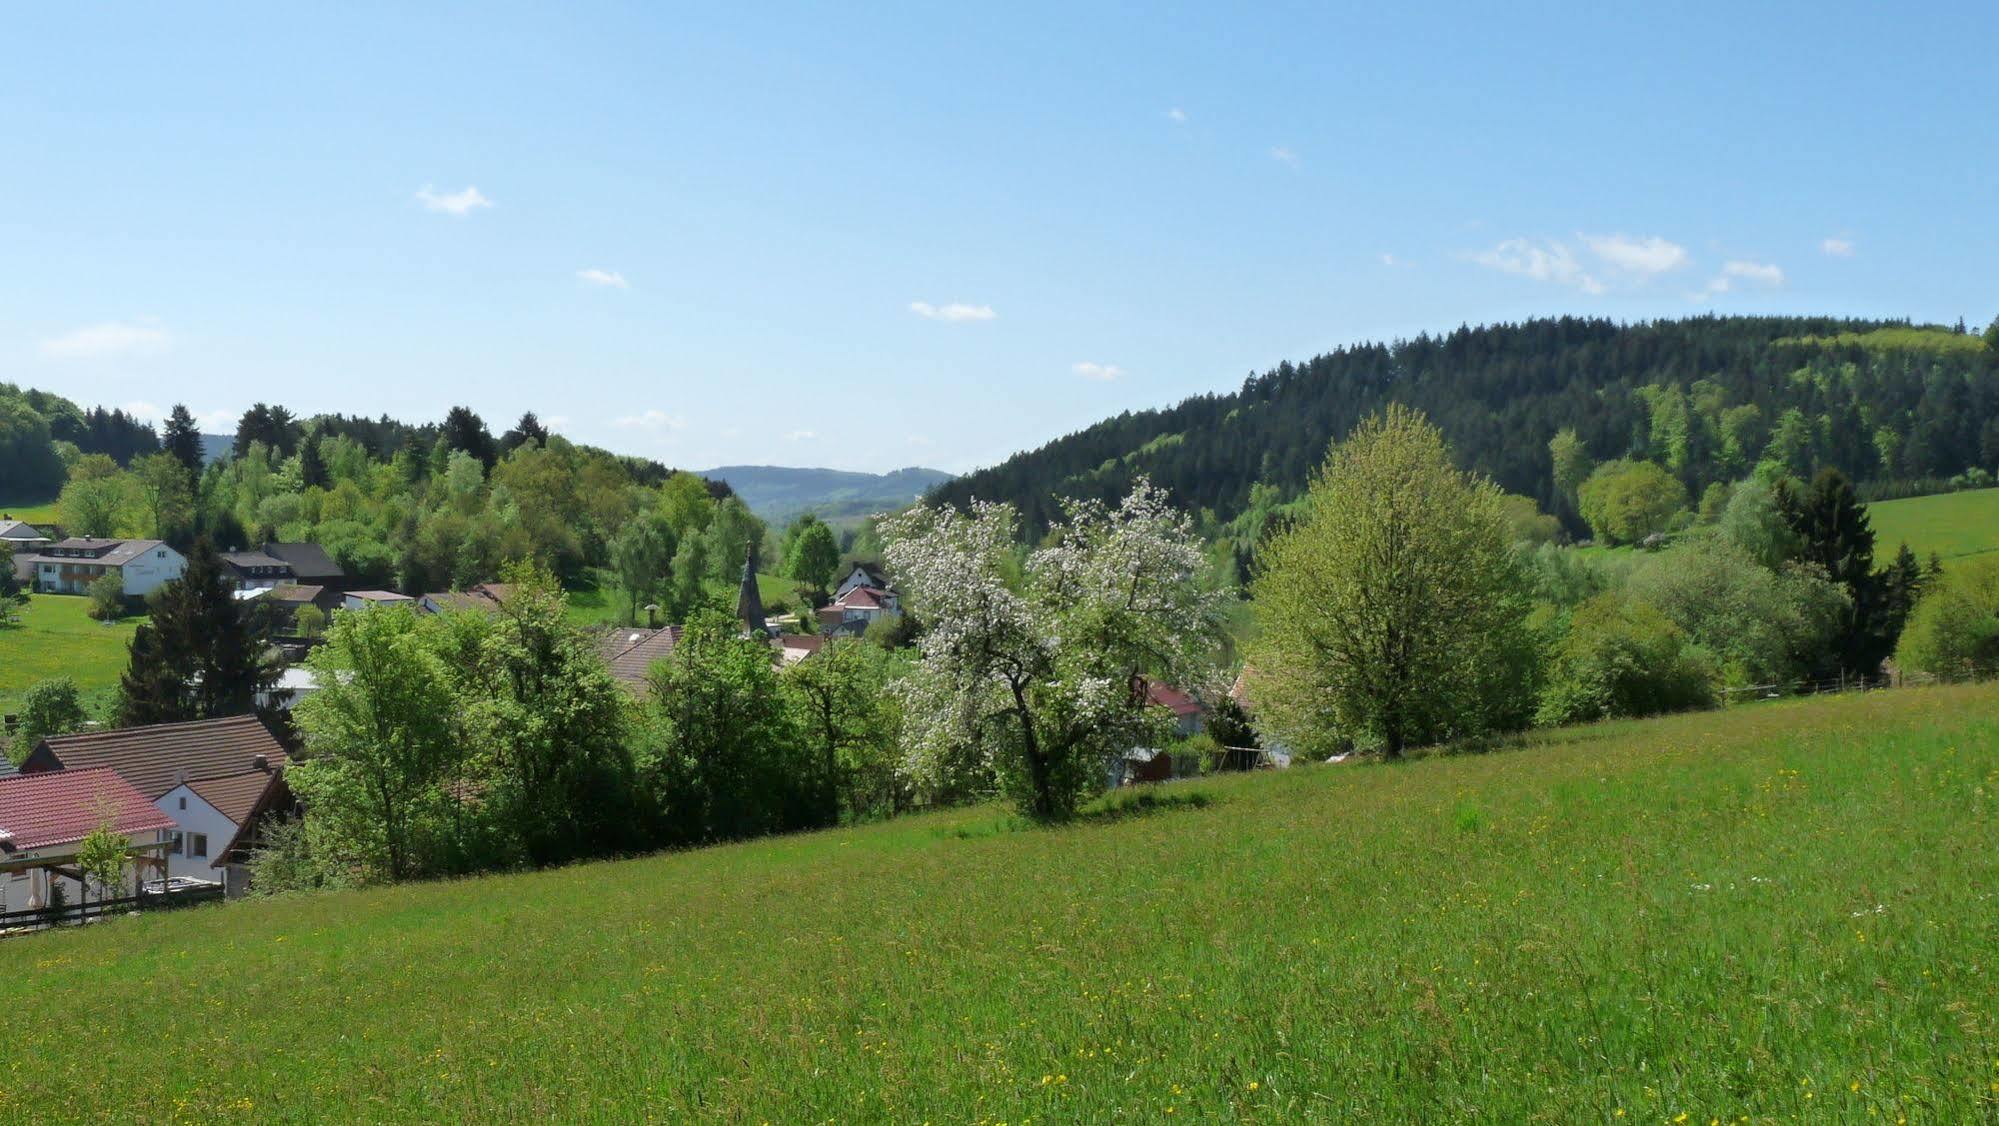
x,y
749,602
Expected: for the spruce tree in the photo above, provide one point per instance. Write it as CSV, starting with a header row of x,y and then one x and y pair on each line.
x,y
182,439
199,657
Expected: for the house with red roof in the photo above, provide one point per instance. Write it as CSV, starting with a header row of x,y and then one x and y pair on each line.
x,y
44,819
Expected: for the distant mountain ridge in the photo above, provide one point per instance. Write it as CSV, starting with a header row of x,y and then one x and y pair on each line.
x,y
779,493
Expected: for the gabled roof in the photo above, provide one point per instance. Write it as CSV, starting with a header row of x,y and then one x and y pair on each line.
x,y
156,758
39,810
634,651
295,592
485,597
20,531
1172,699
115,553
247,560
864,598
234,797
307,560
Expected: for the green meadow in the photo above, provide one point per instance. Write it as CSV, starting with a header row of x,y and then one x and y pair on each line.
x,y
39,512
1783,911
1954,525
56,638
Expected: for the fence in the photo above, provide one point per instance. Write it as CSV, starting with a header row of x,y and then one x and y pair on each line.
x,y
1834,686
78,913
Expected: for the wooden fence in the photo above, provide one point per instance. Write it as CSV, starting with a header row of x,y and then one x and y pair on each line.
x,y
77,913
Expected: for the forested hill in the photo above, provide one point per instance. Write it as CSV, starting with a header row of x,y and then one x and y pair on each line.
x,y
1708,397
779,493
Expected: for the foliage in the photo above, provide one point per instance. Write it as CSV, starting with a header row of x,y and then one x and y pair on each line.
x,y
723,756
1393,613
101,857
811,553
1625,501
10,583
309,621
1748,847
180,439
51,707
106,593
96,499
1832,532
1762,626
1034,685
1754,521
1621,657
1526,523
163,492
1230,726
1954,630
642,559
199,657
845,708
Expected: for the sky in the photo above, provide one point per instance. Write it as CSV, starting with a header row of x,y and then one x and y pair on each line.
x,y
871,236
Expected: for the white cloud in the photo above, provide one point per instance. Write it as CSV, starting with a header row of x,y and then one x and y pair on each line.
x,y
1177,116
460,203
920,440
1392,262
111,338
956,311
1738,273
1090,370
1640,256
801,436
555,421
208,422
650,420
1283,155
1837,247
610,279
1540,260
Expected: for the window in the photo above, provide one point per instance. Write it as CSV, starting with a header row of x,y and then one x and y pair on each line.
x,y
160,554
198,845
174,845
183,803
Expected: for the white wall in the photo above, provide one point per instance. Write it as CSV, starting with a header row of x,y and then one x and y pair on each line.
x,y
22,890
196,816
158,565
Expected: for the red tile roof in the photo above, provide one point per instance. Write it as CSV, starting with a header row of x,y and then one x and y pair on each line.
x,y
157,758
864,598
1172,699
39,810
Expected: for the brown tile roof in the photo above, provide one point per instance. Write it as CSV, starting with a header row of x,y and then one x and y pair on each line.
x,y
307,560
295,592
157,758
235,796
115,553
38,810
384,596
642,647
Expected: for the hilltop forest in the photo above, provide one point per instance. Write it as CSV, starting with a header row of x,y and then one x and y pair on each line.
x,y
1897,407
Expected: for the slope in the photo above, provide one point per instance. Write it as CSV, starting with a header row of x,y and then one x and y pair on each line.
x,y
778,494
1777,911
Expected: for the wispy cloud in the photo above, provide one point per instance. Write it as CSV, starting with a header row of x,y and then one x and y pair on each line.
x,y
460,203
1394,263
1177,116
655,419
610,279
1541,260
1091,370
1641,256
1837,248
1282,155
1739,274
956,311
108,339
919,440
801,436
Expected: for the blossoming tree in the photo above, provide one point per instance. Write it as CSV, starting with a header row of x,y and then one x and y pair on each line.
x,y
1033,672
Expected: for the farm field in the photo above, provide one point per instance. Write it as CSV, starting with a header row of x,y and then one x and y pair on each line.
x,y
40,512
1783,911
1954,525
56,638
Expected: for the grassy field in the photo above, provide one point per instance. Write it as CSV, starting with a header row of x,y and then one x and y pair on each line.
x,y
1954,525
1785,911
56,638
40,512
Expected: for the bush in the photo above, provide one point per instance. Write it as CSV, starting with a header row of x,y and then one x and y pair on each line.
x,y
1762,625
1625,501
1954,630
107,597
1622,657
50,707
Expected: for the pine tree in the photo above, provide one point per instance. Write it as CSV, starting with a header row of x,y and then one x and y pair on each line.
x,y
182,439
1834,533
199,657
311,466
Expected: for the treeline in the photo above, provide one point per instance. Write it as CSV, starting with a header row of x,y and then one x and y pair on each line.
x,y
42,433
1707,397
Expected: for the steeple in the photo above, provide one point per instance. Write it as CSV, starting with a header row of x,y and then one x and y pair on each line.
x,y
750,603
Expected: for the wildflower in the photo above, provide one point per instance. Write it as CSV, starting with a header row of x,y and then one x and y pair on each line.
x,y
1253,1085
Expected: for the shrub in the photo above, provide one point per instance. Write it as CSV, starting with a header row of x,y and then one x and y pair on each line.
x,y
1625,501
107,597
1954,630
1622,657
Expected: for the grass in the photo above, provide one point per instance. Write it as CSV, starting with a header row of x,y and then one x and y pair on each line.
x,y
596,600
1781,911
56,638
40,512
1954,525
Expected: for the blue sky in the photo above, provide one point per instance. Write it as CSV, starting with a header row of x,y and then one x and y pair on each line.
x,y
904,234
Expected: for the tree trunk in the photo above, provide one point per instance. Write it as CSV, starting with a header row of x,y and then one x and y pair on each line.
x,y
1037,764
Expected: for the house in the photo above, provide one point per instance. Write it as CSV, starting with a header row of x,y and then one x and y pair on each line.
x,y
254,570
287,599
44,819
310,564
486,598
631,653
795,647
70,566
362,599
862,574
210,777
21,535
1189,718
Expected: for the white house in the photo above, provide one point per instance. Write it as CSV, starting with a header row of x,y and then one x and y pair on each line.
x,y
69,567
44,819
213,778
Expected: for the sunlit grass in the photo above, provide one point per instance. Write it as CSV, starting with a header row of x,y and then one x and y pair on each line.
x,y
56,638
1782,911
1953,525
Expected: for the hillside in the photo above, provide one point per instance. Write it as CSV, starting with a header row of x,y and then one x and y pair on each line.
x,y
1955,526
1780,911
778,493
1707,396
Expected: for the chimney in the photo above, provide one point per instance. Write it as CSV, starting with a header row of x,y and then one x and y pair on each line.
x,y
259,762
